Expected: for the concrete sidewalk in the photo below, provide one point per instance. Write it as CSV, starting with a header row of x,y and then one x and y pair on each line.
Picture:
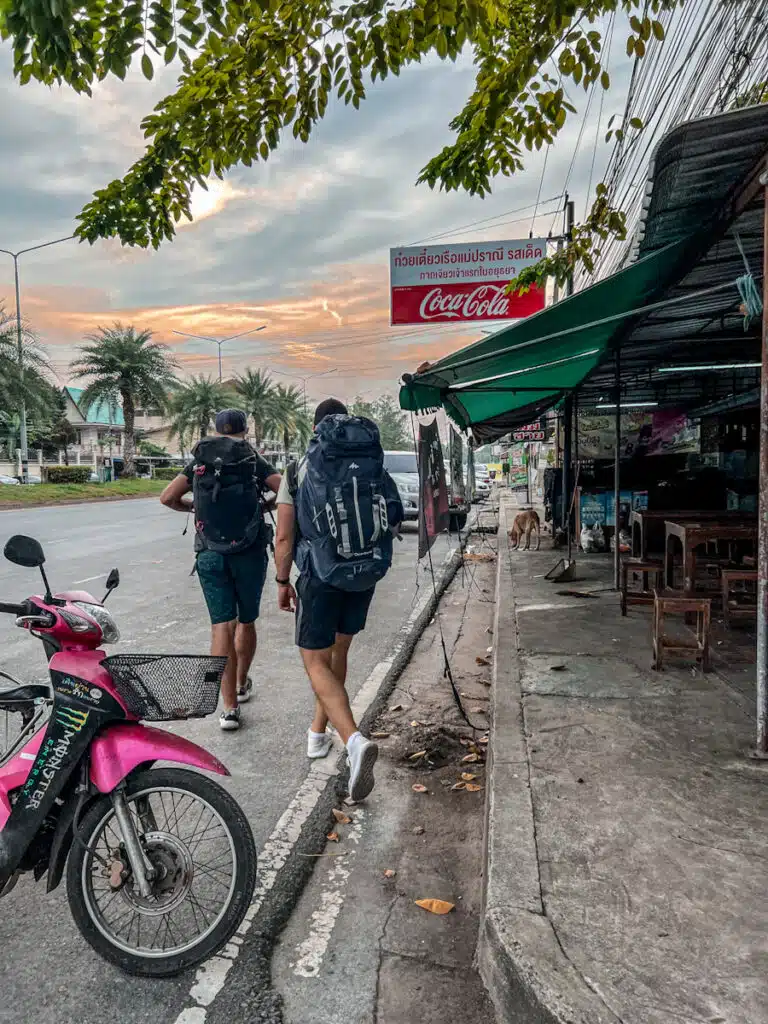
x,y
626,840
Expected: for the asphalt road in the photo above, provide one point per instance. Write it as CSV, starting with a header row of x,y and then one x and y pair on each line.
x,y
49,973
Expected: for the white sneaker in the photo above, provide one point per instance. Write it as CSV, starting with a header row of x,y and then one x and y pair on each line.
x,y
244,695
362,758
318,746
229,720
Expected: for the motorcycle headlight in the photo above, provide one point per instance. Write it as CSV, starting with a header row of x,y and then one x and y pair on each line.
x,y
110,634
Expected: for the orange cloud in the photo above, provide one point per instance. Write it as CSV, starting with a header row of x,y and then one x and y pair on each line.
x,y
341,322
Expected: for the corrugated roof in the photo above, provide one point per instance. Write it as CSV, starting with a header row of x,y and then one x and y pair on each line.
x,y
99,412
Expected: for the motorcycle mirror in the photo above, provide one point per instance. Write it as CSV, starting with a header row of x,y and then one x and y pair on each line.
x,y
113,582
24,551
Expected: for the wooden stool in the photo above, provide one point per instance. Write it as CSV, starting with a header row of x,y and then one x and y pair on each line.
x,y
682,604
736,611
636,566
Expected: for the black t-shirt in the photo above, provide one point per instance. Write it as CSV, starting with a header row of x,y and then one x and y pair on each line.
x,y
261,471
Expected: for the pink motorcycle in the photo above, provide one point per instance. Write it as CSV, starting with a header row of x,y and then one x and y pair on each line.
x,y
161,863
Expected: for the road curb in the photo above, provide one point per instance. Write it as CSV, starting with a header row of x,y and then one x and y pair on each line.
x,y
523,966
288,858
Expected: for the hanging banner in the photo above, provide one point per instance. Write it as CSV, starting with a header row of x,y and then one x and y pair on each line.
x,y
456,449
462,282
664,432
434,516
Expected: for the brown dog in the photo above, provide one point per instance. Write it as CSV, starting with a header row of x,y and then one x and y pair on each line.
x,y
525,523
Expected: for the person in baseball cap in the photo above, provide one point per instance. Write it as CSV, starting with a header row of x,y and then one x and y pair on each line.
x,y
231,422
225,481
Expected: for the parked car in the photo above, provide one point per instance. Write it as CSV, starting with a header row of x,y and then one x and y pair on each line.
x,y
482,481
404,470
403,467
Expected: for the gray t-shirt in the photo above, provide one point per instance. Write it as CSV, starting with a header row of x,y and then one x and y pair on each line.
x,y
284,496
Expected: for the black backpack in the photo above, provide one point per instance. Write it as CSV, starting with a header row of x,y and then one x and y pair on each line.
x,y
229,513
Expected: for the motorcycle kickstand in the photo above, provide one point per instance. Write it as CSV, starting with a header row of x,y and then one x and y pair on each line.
x,y
141,865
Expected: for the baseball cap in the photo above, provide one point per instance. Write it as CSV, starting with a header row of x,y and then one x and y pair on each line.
x,y
231,421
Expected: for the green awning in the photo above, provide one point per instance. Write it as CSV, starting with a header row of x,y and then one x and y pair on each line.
x,y
511,377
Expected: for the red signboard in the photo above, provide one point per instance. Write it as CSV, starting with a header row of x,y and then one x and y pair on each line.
x,y
530,432
463,282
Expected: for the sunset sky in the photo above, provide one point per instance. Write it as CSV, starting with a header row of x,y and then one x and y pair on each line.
x,y
299,244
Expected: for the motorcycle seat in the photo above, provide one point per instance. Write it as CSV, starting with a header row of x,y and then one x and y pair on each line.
x,y
14,698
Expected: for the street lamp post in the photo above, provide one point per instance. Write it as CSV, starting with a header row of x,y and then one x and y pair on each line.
x,y
20,348
310,376
220,342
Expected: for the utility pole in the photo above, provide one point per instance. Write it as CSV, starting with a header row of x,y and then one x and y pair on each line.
x,y
761,748
20,351
220,341
310,376
570,213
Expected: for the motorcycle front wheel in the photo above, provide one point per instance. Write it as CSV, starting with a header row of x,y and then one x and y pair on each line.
x,y
201,848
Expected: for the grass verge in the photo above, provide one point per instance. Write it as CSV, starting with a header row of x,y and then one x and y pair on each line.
x,y
57,494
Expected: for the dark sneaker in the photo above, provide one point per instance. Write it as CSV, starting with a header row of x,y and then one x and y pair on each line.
x,y
244,695
362,759
230,720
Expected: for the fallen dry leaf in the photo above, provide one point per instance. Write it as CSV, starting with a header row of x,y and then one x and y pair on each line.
x,y
389,873
333,837
472,788
482,661
483,739
435,906
470,758
459,785
419,754
477,711
396,707
419,830
468,776
379,735
416,722
341,817
418,788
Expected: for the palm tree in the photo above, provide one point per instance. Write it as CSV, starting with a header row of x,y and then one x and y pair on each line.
x,y
257,392
124,366
194,406
287,415
32,383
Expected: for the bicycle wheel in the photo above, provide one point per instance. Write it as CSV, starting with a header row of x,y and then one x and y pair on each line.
x,y
200,844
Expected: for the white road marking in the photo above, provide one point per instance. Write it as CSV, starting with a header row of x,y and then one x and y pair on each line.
x,y
312,950
90,579
210,977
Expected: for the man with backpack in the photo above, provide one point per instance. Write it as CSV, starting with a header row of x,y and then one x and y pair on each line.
x,y
227,478
337,511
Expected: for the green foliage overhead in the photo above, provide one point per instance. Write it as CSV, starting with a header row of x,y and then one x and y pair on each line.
x,y
253,70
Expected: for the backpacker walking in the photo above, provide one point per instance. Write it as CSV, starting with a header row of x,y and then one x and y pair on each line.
x,y
337,510
227,478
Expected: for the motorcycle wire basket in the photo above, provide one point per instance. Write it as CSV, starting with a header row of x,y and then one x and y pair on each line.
x,y
164,687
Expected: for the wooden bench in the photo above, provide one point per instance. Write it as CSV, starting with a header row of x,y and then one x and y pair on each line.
x,y
639,566
734,610
673,602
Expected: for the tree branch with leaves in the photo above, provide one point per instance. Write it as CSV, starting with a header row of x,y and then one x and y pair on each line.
x,y
250,71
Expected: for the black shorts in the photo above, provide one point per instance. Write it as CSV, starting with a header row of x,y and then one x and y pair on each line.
x,y
323,611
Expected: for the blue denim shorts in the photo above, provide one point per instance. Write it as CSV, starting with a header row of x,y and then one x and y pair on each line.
x,y
232,584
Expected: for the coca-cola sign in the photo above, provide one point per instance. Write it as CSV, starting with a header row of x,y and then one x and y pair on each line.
x,y
461,283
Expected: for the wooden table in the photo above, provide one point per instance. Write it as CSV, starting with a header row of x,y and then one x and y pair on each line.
x,y
691,534
647,527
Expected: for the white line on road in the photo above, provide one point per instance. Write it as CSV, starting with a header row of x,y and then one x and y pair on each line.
x,y
89,579
312,950
210,977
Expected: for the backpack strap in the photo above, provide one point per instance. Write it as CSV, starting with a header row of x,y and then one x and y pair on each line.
x,y
292,476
